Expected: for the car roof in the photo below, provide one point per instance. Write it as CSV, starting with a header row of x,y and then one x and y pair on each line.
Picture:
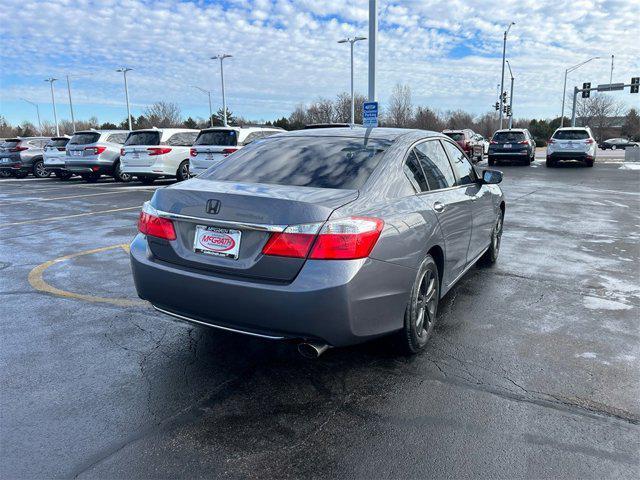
x,y
572,128
511,130
247,128
380,133
92,130
168,130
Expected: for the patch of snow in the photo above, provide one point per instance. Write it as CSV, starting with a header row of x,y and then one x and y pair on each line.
x,y
587,355
596,303
630,166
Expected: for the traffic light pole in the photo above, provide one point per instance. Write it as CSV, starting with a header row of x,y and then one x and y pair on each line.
x,y
600,88
511,105
573,108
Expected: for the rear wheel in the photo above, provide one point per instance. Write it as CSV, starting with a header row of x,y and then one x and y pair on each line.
x,y
39,170
5,173
614,147
63,175
491,161
20,174
420,316
550,163
90,177
119,175
146,180
491,255
589,163
183,171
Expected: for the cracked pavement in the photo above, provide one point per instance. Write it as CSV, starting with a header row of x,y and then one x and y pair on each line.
x,y
532,372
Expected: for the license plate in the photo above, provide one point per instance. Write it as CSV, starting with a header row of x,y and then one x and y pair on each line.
x,y
507,145
5,160
221,242
136,155
209,156
76,153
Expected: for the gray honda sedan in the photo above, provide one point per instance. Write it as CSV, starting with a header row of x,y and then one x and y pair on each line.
x,y
325,237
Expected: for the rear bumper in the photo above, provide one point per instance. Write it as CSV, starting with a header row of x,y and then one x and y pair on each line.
x,y
571,156
152,171
507,154
338,302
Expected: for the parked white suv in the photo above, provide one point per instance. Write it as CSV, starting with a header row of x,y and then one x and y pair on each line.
x,y
214,144
54,156
158,152
572,143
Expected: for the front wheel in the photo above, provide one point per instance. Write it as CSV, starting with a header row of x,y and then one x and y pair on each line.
x,y
183,171
20,174
491,161
589,163
146,180
63,175
90,177
491,255
119,175
420,315
39,170
614,147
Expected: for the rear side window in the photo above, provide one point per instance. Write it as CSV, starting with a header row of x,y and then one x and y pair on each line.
x,y
456,136
460,163
571,135
415,173
184,139
118,138
508,137
322,162
84,138
223,138
435,164
58,142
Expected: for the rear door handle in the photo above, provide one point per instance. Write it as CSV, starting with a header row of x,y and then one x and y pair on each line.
x,y
439,207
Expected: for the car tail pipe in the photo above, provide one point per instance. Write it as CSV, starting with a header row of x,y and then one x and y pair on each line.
x,y
312,349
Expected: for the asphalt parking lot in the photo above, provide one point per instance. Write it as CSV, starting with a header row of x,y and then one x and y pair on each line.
x,y
533,371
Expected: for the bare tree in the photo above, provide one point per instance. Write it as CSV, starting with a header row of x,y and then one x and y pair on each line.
x,y
427,119
487,124
399,113
6,130
298,117
458,119
321,111
599,113
163,114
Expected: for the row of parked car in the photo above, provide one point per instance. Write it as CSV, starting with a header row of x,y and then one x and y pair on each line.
x,y
142,154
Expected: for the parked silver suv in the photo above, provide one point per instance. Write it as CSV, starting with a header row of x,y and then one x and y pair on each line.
x,y
92,153
23,155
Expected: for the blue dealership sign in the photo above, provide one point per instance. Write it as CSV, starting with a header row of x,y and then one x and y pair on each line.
x,y
370,114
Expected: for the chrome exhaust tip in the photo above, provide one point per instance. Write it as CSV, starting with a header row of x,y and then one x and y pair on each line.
x,y
312,350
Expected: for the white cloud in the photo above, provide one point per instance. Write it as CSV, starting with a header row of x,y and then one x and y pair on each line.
x,y
285,51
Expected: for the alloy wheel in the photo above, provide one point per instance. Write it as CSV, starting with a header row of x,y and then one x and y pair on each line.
x,y
41,171
497,235
426,304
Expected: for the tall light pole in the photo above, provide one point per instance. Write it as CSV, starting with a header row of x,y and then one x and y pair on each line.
x,y
351,41
224,100
504,53
73,119
124,71
373,37
611,76
510,97
53,101
37,112
564,88
208,92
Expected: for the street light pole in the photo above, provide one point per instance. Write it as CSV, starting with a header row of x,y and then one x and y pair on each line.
x,y
53,101
124,71
611,76
373,37
351,41
73,120
224,100
510,97
208,92
564,88
504,52
37,113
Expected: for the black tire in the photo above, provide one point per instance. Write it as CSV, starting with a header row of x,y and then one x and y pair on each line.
x,y
146,180
422,310
90,177
588,163
63,175
119,175
491,255
39,171
550,163
491,161
614,147
20,174
5,173
183,171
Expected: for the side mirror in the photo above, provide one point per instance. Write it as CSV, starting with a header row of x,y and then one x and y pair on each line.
x,y
491,177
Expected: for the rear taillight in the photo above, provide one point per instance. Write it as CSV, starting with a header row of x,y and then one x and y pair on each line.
x,y
122,152
94,150
551,140
524,142
228,151
343,239
61,149
158,150
18,149
493,142
193,152
150,224
589,141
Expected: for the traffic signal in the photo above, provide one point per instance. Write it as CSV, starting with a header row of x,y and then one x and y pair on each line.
x,y
504,97
635,84
497,106
586,90
508,110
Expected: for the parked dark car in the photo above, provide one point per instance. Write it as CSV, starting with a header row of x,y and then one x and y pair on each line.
x,y
618,143
515,144
326,237
471,143
23,155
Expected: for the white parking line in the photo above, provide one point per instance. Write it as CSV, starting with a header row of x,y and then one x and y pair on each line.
x,y
45,199
51,219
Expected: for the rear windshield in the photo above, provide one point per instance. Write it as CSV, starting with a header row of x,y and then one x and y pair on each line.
x,y
322,162
457,136
143,138
10,143
224,138
84,138
571,135
508,137
57,142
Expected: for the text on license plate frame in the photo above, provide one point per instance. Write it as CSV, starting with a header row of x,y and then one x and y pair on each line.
x,y
216,241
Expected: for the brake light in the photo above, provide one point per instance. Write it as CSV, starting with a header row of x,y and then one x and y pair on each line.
x,y
18,149
150,224
228,151
122,152
493,142
61,149
94,150
158,150
343,239
589,141
193,152
551,140
524,142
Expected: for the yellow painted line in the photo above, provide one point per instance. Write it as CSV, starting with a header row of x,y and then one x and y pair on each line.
x,y
51,219
44,199
36,280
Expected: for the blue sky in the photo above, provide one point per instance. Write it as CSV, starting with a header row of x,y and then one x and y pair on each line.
x,y
285,53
